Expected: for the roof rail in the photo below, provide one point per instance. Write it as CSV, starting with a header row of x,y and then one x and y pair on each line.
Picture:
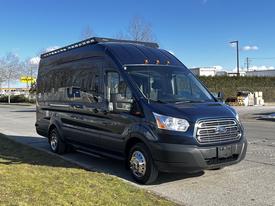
x,y
95,40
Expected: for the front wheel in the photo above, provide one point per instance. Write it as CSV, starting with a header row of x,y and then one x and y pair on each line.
x,y
142,165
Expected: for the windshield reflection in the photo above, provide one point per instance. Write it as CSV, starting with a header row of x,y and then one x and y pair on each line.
x,y
165,84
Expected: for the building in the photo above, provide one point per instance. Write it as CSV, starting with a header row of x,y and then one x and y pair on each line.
x,y
204,71
14,91
261,73
235,74
221,73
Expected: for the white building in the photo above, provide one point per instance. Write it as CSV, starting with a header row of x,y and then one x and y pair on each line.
x,y
213,71
261,73
204,71
14,91
234,74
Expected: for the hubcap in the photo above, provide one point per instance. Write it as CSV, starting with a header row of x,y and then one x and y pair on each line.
x,y
138,164
53,141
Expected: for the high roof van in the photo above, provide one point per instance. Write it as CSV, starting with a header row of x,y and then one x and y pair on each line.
x,y
134,102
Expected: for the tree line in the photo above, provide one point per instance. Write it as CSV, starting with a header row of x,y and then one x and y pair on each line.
x,y
231,85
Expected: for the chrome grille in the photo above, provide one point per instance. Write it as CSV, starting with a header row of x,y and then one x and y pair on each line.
x,y
218,130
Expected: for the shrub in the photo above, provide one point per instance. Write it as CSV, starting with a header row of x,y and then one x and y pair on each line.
x,y
16,99
231,85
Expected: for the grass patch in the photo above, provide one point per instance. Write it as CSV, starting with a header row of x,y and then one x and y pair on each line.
x,y
32,177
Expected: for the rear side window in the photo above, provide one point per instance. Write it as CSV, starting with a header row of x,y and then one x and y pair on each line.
x,y
77,81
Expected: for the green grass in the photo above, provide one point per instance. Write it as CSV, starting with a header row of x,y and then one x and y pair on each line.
x,y
32,177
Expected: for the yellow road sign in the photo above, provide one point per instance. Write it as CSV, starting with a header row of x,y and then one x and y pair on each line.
x,y
26,79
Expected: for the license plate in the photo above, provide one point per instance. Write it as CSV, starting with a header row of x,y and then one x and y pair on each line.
x,y
224,151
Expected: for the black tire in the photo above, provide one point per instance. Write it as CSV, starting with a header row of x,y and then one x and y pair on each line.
x,y
150,173
56,143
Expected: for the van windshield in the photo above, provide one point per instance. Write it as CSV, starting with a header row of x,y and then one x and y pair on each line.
x,y
167,84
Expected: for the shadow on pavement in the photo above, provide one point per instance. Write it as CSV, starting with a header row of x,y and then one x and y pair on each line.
x,y
266,119
264,113
170,177
26,110
96,163
267,116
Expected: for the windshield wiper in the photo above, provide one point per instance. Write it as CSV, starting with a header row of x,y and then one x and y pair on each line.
x,y
181,101
189,101
157,101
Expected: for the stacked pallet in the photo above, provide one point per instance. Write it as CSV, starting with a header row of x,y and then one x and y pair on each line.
x,y
258,98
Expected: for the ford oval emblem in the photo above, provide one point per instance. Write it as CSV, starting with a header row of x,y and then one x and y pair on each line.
x,y
221,129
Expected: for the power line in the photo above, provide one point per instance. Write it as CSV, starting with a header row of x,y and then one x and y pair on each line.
x,y
248,60
262,58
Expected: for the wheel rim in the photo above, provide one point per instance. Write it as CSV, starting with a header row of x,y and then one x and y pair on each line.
x,y
138,164
54,141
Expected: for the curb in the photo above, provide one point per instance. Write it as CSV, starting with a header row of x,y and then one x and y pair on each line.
x,y
17,104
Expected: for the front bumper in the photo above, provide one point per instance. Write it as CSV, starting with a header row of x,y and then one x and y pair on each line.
x,y
192,158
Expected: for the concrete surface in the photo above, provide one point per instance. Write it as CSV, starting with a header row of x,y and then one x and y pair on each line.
x,y
250,182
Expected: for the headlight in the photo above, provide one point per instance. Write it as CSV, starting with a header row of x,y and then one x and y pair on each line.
x,y
171,123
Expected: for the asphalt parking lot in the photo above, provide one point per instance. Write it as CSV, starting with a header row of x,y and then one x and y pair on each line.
x,y
250,182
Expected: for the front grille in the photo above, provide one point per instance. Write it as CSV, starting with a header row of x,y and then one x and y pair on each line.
x,y
217,131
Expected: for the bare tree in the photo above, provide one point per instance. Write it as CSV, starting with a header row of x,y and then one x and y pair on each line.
x,y
2,72
30,68
138,30
11,69
87,32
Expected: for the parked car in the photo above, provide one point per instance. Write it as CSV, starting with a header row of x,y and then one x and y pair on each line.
x,y
135,102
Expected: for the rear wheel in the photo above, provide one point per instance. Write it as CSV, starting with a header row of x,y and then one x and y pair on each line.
x,y
141,164
56,143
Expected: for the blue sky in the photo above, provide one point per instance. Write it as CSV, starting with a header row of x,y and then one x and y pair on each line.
x,y
197,31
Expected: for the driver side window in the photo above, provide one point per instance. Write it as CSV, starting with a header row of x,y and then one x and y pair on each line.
x,y
112,84
118,88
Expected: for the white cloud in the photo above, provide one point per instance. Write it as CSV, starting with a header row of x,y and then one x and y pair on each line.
x,y
51,48
257,68
233,44
35,60
261,68
250,48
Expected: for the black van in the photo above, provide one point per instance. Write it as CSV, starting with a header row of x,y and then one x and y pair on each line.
x,y
132,101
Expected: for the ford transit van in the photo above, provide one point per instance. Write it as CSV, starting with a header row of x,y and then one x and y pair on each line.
x,y
134,102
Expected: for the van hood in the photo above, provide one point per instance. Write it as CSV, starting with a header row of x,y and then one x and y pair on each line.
x,y
195,111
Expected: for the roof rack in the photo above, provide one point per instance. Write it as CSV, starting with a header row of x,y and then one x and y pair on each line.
x,y
95,40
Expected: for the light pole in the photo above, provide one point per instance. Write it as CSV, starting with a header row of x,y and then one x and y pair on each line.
x,y
238,62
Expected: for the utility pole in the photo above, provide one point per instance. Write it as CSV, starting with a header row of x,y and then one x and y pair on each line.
x,y
247,64
247,60
238,62
9,94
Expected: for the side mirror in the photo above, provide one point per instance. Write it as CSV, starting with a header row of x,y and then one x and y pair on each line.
x,y
219,96
120,104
